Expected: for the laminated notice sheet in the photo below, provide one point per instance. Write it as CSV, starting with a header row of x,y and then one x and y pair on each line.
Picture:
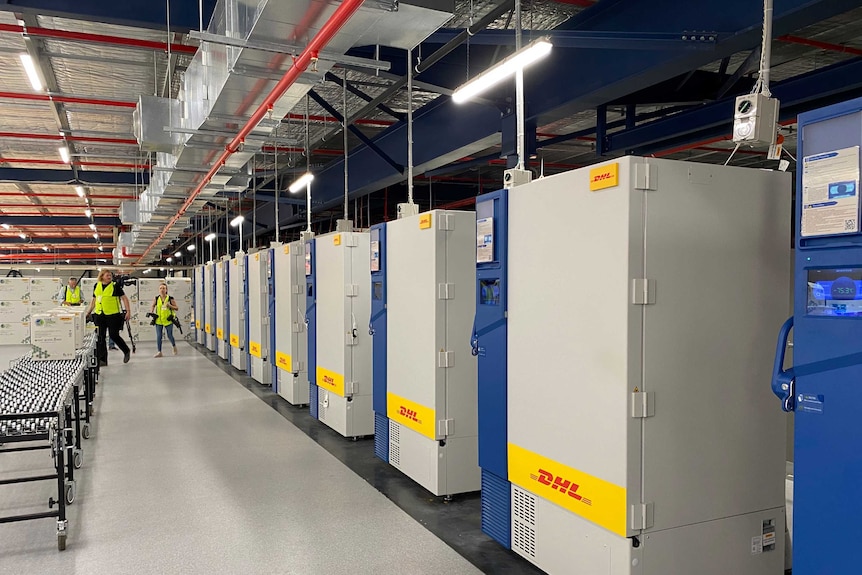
x,y
830,193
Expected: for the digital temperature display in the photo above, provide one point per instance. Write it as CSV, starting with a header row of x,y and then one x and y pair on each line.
x,y
835,292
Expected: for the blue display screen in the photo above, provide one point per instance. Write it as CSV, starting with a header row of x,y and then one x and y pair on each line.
x,y
489,292
835,292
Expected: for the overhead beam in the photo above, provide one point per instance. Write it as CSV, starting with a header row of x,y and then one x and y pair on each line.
x,y
33,221
86,177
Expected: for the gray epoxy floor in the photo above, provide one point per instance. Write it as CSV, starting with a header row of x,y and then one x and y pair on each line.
x,y
188,472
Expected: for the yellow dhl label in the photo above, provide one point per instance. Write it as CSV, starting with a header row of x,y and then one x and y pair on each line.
x,y
283,361
257,257
220,265
234,262
220,333
336,240
594,499
605,177
254,348
330,381
207,328
424,221
66,319
234,340
197,324
286,250
410,414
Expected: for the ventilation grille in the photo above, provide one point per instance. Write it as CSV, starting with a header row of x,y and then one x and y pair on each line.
x,y
497,508
322,401
381,436
394,443
312,400
523,522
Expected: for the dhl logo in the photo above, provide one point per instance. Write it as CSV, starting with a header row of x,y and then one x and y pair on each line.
x,y
409,414
328,380
560,484
282,361
602,176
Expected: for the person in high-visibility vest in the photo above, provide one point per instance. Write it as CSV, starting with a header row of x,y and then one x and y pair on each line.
x,y
108,315
164,307
71,293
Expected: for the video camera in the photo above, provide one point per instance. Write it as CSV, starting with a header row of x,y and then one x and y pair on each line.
x,y
125,280
174,320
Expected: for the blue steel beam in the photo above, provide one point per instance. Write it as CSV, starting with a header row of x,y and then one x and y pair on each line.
x,y
25,221
185,14
86,178
568,81
835,83
592,40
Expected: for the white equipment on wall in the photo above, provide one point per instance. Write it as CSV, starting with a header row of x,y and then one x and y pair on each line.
x,y
291,343
343,346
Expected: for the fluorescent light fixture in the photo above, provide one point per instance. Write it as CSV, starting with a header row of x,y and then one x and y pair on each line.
x,y
5,226
101,248
32,74
532,52
191,248
38,269
96,236
29,262
236,221
93,227
301,182
210,237
88,212
169,259
148,270
161,269
22,235
44,248
80,191
178,255
64,154
104,261
68,261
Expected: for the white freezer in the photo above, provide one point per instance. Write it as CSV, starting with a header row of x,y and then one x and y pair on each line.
x,y
237,337
291,345
258,317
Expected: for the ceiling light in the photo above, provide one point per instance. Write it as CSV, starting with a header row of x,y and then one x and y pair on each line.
x,y
38,269
68,261
210,237
191,248
96,236
178,255
44,248
169,259
28,261
148,270
5,226
64,154
88,212
32,74
301,182
103,261
237,221
22,235
161,269
80,191
101,248
535,50
93,227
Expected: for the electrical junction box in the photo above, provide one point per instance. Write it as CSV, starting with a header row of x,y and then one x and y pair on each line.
x,y
343,345
406,210
237,300
52,336
627,385
516,177
209,306
431,396
222,312
258,317
755,119
291,343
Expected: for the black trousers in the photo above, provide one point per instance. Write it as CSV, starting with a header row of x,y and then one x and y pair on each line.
x,y
109,324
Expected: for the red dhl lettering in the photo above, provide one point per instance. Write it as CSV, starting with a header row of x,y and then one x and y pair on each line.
x,y
328,379
282,361
560,484
409,414
603,176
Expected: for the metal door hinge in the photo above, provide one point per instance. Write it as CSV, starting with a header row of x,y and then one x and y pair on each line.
x,y
349,240
642,515
643,291
643,404
446,291
445,427
646,176
298,366
445,359
298,327
349,338
445,222
351,290
264,320
296,289
350,387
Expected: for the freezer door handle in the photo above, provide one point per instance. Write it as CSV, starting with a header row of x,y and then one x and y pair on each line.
x,y
784,380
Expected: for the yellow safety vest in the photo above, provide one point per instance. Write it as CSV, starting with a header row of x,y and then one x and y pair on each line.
x,y
163,311
73,296
106,302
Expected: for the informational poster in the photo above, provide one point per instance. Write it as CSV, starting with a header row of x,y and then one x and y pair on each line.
x,y
485,240
375,256
830,193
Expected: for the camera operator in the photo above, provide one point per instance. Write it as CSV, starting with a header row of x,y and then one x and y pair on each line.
x,y
108,315
163,309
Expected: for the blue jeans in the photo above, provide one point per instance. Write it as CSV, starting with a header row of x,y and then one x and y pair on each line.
x,y
170,330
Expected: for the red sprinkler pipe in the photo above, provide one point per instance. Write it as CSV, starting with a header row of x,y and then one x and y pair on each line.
x,y
61,138
66,99
48,256
329,29
62,163
96,38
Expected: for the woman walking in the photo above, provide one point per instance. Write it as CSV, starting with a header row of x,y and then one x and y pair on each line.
x,y
164,307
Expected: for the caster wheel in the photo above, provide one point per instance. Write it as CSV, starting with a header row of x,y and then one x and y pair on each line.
x,y
85,431
78,460
70,494
61,541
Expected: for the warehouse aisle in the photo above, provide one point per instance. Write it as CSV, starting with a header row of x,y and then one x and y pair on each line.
x,y
189,472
